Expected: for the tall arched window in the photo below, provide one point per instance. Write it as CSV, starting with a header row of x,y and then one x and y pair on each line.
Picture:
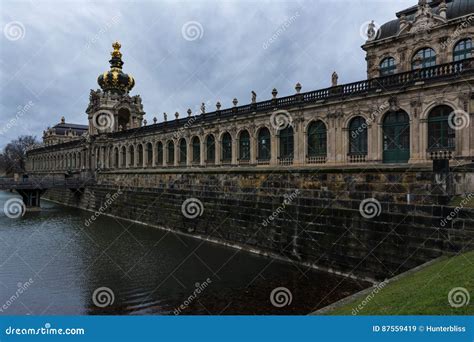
x,y
140,155
131,152
462,50
183,151
244,146
396,137
440,133
149,154
286,143
159,153
124,157
226,147
264,146
196,150
424,58
170,160
210,149
317,140
387,66
358,136
116,157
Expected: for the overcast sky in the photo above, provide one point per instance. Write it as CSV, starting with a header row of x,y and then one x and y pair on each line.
x,y
181,53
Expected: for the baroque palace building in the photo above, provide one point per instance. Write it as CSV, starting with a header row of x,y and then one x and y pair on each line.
x,y
416,105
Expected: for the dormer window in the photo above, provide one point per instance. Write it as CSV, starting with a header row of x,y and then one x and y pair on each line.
x,y
387,66
463,50
424,58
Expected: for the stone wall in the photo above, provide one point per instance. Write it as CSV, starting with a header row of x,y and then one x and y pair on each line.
x,y
309,216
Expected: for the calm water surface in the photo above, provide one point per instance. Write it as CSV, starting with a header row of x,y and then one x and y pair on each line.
x,y
150,271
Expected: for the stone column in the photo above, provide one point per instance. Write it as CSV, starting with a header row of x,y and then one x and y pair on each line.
x,y
274,140
218,150
235,149
202,145
253,149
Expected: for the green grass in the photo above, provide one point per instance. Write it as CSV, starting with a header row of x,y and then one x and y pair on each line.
x,y
424,292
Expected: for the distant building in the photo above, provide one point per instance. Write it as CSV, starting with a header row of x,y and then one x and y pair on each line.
x,y
415,106
63,132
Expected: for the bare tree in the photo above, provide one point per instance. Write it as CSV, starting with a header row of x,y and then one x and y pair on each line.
x,y
13,156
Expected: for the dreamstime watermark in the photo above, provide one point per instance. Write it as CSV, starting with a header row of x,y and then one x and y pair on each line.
x,y
14,30
192,30
21,110
46,330
280,30
104,29
370,208
14,208
458,32
281,119
103,296
108,202
192,208
458,297
369,297
280,297
456,210
200,287
22,287
287,201
180,132
373,116
103,121
458,120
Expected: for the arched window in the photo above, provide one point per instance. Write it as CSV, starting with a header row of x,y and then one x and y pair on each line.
x,y
358,136
462,50
424,58
396,137
170,160
244,146
210,149
317,140
286,143
182,151
149,154
226,148
116,157
264,146
124,157
131,152
140,155
387,66
159,153
440,133
196,150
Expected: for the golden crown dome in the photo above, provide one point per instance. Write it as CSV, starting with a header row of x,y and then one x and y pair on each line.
x,y
115,80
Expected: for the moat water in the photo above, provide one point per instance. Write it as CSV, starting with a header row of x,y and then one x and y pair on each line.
x,y
52,263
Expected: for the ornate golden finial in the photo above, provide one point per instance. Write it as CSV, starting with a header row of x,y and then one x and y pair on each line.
x,y
116,52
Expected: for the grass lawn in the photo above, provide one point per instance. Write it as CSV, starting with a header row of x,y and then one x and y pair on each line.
x,y
424,292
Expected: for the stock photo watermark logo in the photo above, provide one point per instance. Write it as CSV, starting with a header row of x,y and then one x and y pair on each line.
x,y
103,121
368,298
192,30
103,297
180,132
22,287
458,120
14,208
192,208
281,297
281,119
456,210
110,198
370,208
287,201
459,297
458,32
200,287
107,26
369,30
21,110
14,30
281,29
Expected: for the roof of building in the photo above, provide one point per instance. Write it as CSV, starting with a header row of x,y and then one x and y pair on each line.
x,y
62,128
456,9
